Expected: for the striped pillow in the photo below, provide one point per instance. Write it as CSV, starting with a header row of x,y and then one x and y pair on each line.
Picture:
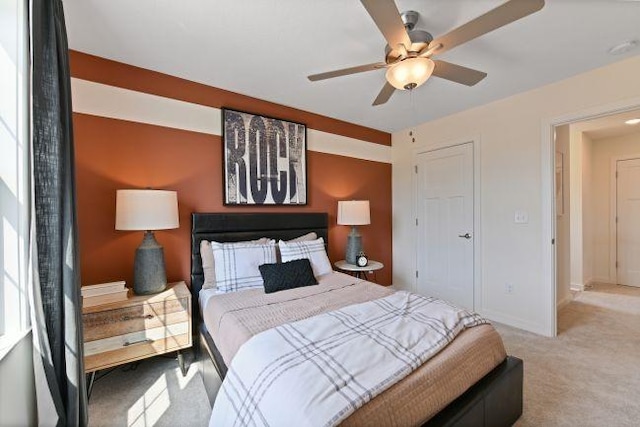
x,y
303,238
208,264
237,264
313,250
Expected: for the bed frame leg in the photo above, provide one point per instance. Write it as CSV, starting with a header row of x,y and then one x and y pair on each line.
x,y
183,368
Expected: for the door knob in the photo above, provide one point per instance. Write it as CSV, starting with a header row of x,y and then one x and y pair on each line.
x,y
465,236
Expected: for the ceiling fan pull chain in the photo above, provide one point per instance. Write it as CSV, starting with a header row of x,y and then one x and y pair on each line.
x,y
413,112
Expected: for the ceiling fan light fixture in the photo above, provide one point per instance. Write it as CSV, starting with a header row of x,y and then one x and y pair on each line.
x,y
410,73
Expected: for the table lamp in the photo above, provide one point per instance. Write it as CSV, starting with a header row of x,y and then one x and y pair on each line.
x,y
147,210
353,213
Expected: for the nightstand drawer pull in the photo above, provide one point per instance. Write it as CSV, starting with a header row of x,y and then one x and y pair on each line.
x,y
128,343
148,316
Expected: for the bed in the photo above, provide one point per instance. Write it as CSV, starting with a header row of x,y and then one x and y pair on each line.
x,y
469,383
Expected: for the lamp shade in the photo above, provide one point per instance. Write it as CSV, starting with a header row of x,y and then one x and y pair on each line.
x,y
146,210
354,212
410,73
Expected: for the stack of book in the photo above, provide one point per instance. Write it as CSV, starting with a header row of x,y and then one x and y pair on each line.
x,y
104,293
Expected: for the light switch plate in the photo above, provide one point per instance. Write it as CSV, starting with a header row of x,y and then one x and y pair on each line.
x,y
521,217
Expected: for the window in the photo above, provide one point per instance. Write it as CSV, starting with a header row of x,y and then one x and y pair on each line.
x,y
14,181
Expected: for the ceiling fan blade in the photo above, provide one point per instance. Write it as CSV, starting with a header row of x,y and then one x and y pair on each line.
x,y
457,73
429,50
502,15
347,71
384,95
387,17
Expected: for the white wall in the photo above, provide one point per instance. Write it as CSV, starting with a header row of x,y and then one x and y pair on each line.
x,y
563,220
17,390
576,147
587,211
604,151
581,236
510,134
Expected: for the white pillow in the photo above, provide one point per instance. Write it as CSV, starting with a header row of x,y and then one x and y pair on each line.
x,y
208,266
313,250
304,238
237,264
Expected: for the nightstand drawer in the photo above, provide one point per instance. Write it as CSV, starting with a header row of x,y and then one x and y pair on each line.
x,y
136,318
136,328
116,350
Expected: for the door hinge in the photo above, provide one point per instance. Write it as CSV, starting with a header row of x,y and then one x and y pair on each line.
x,y
553,241
415,167
416,222
416,274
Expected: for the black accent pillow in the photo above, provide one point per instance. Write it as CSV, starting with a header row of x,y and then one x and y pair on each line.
x,y
287,275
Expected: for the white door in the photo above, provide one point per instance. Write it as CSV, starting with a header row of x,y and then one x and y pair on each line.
x,y
445,224
628,230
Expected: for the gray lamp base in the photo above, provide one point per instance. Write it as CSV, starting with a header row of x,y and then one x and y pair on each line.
x,y
149,273
354,246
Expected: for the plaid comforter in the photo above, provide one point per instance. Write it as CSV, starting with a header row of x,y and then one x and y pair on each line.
x,y
318,371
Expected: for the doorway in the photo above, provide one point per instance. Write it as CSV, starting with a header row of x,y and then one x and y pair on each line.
x,y
445,224
597,204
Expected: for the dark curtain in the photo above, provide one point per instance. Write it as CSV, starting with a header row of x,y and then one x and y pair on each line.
x,y
56,268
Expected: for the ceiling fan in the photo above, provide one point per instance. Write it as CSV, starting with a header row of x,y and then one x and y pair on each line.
x,y
409,51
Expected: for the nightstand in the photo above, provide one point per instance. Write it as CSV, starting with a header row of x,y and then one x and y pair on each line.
x,y
359,272
139,327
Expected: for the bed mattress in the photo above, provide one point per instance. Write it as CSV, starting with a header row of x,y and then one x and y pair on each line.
x,y
233,318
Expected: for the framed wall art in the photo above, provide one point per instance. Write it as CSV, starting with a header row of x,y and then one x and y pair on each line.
x,y
265,160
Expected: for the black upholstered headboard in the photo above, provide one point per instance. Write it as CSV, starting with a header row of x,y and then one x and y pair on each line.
x,y
235,227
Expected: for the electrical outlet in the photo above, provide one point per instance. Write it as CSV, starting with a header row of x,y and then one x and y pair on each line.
x,y
521,217
508,288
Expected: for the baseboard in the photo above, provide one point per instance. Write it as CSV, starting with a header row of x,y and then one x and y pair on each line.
x,y
514,321
603,280
577,287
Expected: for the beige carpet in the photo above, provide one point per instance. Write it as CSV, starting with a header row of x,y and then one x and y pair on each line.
x,y
153,394
587,376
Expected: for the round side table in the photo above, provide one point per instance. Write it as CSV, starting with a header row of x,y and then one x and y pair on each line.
x,y
359,272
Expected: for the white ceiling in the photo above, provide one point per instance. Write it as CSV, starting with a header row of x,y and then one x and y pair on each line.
x,y
610,126
266,48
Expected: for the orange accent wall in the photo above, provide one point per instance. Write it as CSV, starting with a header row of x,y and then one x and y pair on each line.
x,y
113,154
